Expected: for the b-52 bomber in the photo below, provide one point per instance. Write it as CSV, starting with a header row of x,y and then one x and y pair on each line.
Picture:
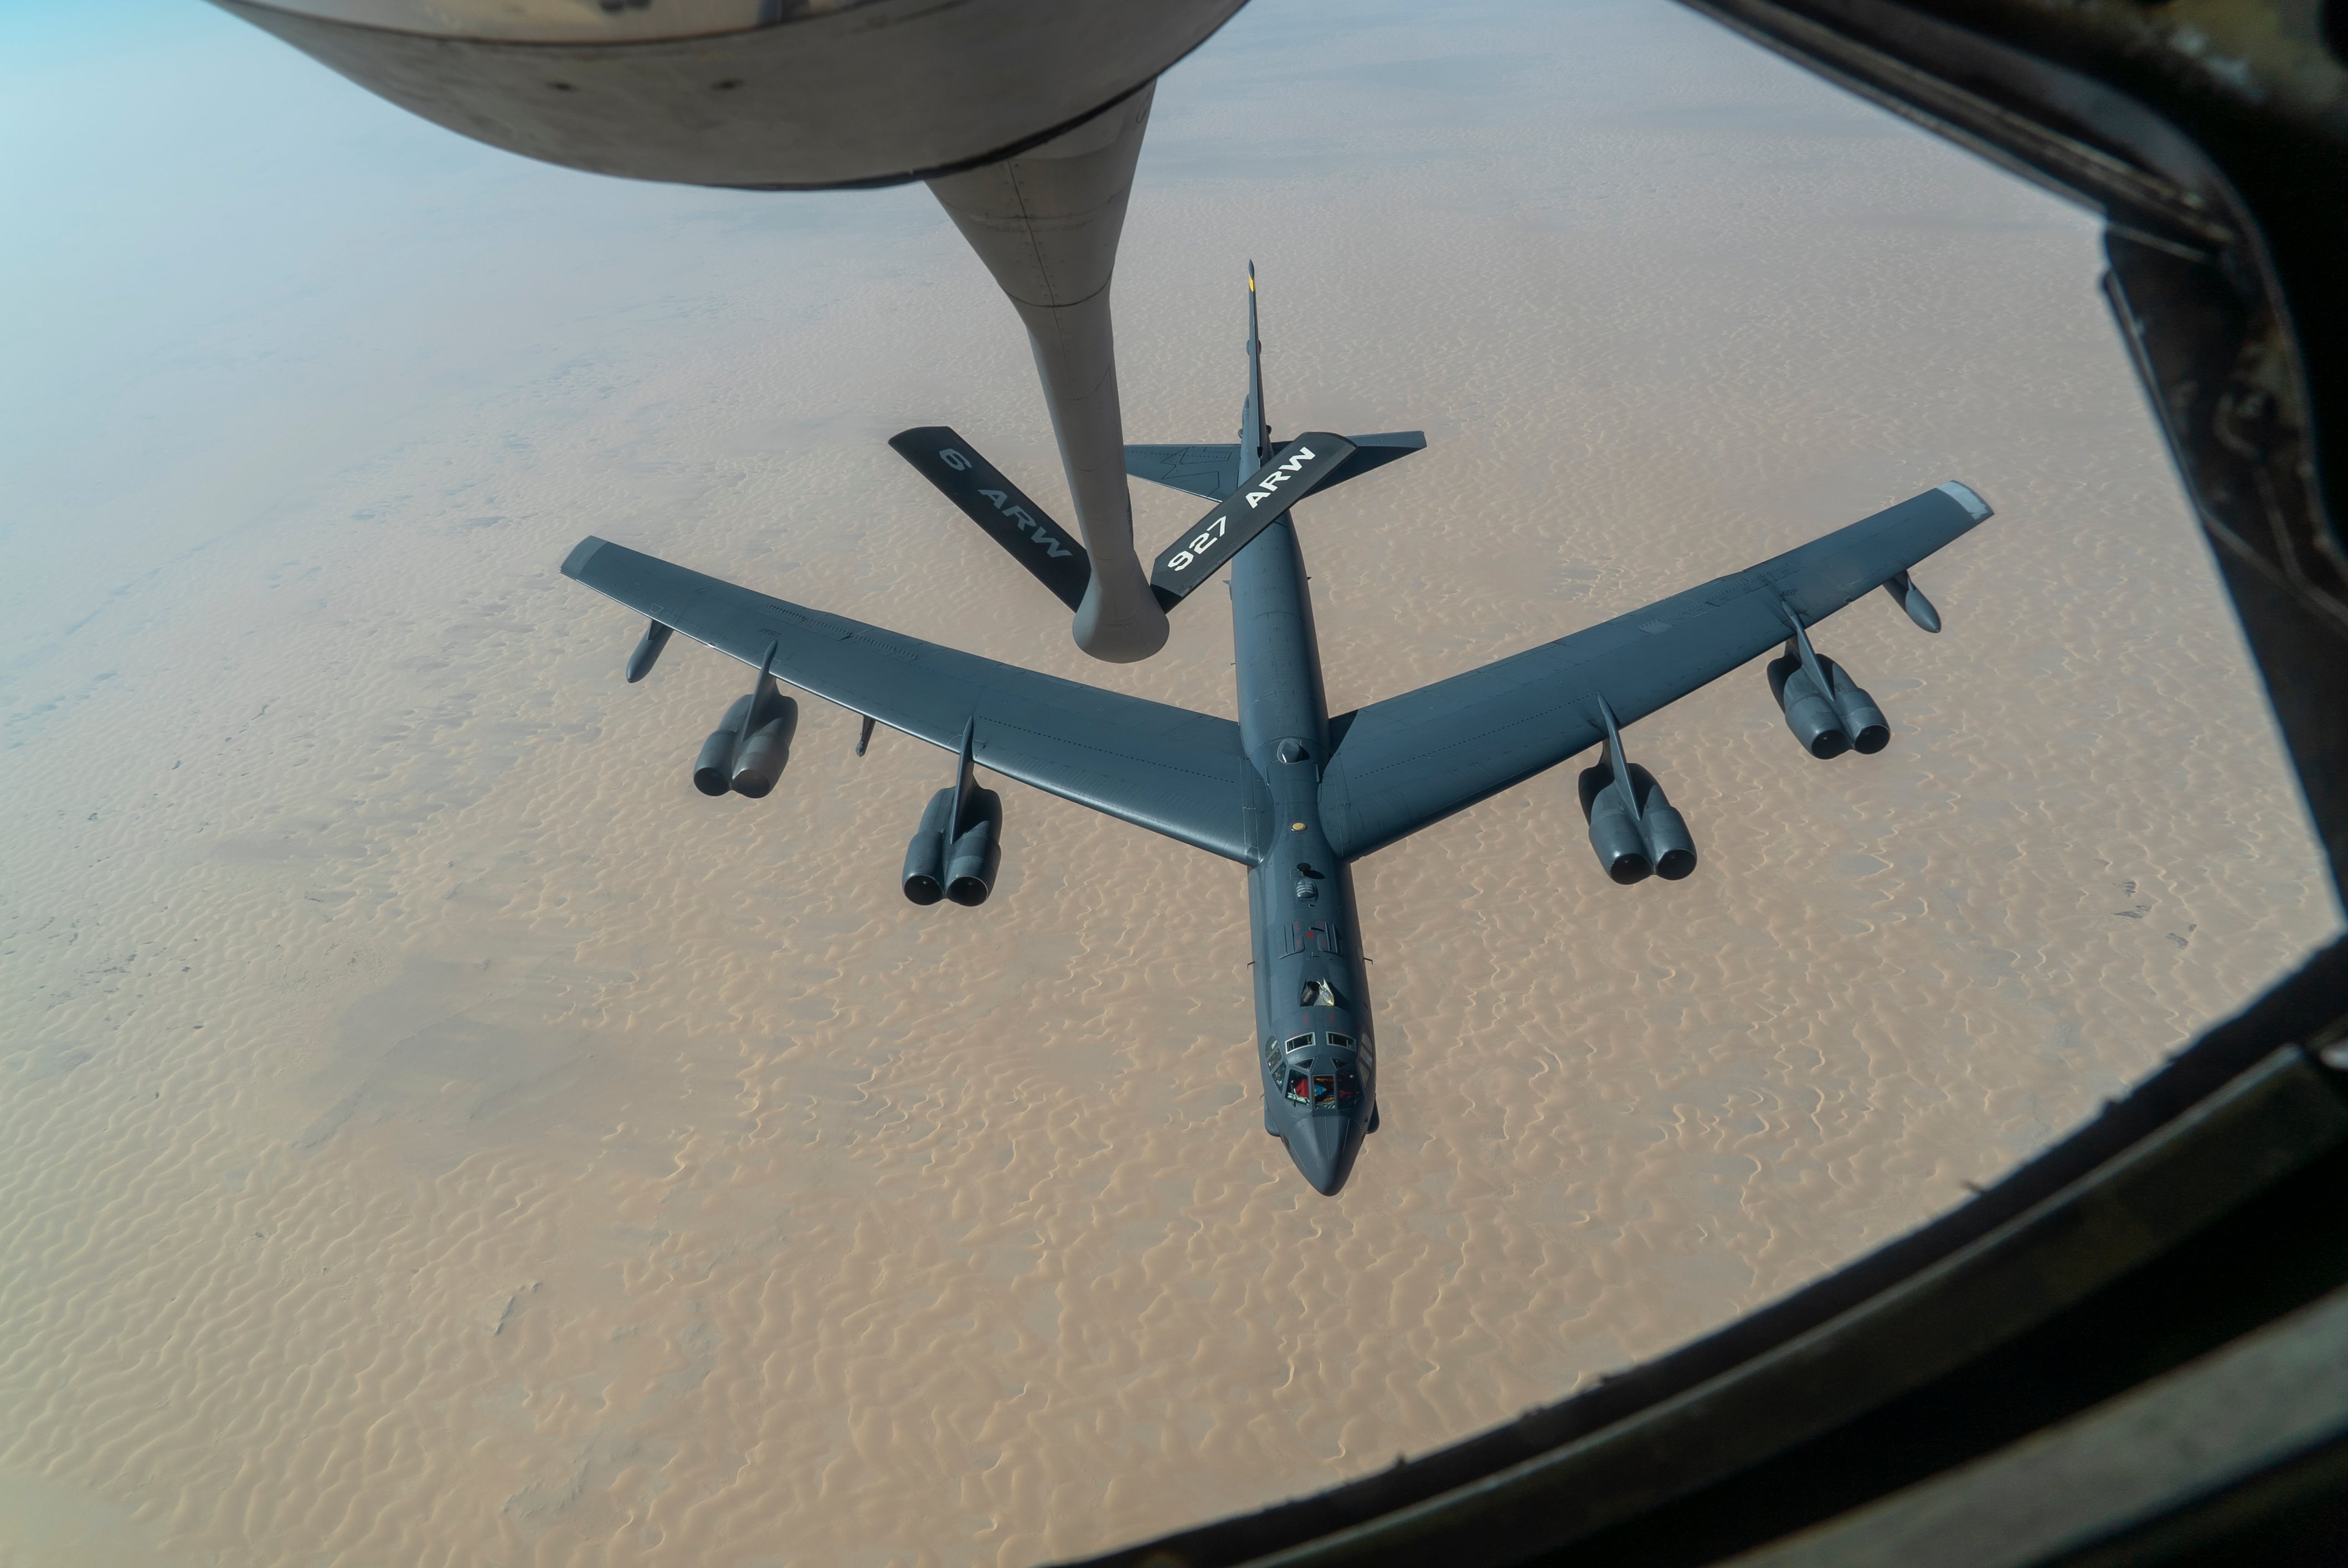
x,y
1289,792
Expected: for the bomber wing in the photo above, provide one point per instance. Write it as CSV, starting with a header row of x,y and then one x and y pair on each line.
x,y
1411,760
1163,768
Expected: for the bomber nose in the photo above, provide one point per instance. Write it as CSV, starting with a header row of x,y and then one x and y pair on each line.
x,y
1323,1149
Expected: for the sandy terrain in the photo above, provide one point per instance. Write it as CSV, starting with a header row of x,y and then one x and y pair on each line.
x,y
431,1134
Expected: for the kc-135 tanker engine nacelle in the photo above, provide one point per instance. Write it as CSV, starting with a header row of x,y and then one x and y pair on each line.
x,y
958,849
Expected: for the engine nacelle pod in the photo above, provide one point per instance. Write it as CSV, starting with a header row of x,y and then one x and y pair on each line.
x,y
713,771
925,856
1809,712
1868,730
1614,832
977,852
1655,841
1669,845
763,755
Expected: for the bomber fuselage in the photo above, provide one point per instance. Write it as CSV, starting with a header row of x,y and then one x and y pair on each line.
x,y
1314,1047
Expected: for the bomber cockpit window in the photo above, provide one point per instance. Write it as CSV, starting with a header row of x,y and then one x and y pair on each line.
x,y
1324,1090
1299,1042
1318,994
1349,1090
1300,1088
1341,1042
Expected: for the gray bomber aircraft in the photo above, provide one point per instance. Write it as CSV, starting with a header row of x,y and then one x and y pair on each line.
x,y
1289,792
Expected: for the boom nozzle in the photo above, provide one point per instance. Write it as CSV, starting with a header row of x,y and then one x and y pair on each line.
x,y
1046,223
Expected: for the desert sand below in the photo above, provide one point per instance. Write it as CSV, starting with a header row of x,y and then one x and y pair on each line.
x,y
432,1133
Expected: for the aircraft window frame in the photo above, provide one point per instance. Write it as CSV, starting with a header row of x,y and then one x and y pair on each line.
x,y
1349,1091
1341,1041
1318,1102
1300,1042
1299,1086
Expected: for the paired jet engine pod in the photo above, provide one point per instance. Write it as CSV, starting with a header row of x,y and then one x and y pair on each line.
x,y
1842,718
713,771
751,746
1631,846
956,860
766,751
1632,828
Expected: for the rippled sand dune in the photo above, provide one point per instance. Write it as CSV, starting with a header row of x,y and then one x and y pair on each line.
x,y
430,1132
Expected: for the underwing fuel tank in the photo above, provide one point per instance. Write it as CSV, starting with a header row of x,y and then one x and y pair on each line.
x,y
648,651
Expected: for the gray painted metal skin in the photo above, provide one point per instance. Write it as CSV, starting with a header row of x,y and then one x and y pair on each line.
x,y
1025,117
767,97
1288,791
1046,224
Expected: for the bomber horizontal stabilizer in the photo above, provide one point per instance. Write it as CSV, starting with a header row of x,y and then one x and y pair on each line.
x,y
1208,471
1049,552
1213,470
1246,512
1372,452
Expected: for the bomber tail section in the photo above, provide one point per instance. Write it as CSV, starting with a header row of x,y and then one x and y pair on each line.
x,y
1213,470
1246,512
1251,484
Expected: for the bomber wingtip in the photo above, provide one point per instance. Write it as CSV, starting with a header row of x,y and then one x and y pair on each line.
x,y
581,554
1968,498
